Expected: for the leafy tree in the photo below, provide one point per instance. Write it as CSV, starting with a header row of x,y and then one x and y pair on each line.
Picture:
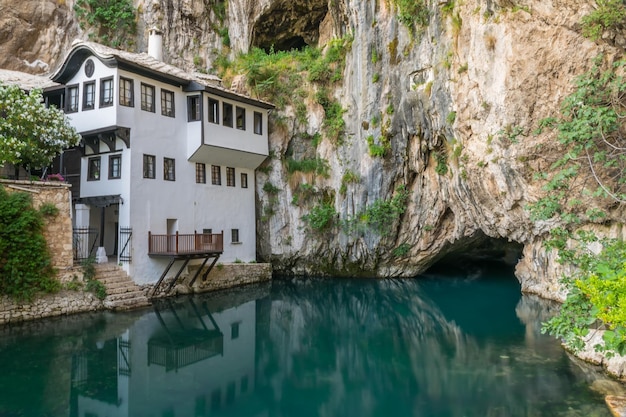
x,y
31,135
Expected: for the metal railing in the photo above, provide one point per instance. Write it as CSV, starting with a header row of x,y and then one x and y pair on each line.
x,y
84,242
180,244
126,234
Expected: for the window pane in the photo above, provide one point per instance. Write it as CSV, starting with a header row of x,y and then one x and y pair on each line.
x,y
214,111
216,175
89,96
72,99
167,103
241,118
106,92
230,177
234,235
93,169
200,173
244,180
126,92
115,166
147,97
193,108
148,166
228,115
258,123
168,169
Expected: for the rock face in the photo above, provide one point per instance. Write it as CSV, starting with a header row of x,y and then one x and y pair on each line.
x,y
457,102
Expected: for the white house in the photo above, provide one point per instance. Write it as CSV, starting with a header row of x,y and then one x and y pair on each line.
x,y
164,153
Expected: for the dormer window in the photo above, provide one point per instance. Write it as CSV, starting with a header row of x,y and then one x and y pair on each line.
x,y
167,103
106,92
72,99
126,92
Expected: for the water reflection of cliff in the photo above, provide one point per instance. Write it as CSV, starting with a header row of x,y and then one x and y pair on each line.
x,y
363,349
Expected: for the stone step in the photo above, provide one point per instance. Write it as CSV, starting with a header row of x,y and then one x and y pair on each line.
x,y
126,295
128,304
121,289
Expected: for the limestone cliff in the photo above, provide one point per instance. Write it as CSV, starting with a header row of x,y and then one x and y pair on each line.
x,y
455,102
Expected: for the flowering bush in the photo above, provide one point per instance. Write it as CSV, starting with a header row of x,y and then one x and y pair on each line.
x,y
55,177
31,135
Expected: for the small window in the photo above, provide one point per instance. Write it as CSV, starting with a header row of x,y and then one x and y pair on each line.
x,y
106,92
214,111
230,177
93,169
228,115
193,108
167,103
258,123
200,173
169,169
115,166
72,99
147,97
234,233
234,331
149,166
89,95
244,180
126,92
216,175
241,118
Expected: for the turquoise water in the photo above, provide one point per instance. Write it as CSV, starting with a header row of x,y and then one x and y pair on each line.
x,y
436,346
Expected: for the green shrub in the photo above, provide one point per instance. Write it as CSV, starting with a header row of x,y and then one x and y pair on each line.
x,y
113,21
318,166
321,216
270,188
609,15
49,209
442,163
25,262
97,288
401,250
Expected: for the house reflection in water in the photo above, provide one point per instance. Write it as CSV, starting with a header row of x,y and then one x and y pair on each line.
x,y
187,358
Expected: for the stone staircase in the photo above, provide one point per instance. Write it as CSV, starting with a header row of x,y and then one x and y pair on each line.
x,y
122,292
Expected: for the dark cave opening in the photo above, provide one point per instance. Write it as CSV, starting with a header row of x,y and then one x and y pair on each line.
x,y
477,256
289,44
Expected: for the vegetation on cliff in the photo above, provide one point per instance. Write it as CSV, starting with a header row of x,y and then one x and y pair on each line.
x,y
585,185
111,22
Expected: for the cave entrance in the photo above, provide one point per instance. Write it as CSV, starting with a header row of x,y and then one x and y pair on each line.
x,y
476,257
286,26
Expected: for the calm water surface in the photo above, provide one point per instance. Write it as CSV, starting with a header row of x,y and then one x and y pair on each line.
x,y
436,346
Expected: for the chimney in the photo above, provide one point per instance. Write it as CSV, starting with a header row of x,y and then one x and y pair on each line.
x,y
155,44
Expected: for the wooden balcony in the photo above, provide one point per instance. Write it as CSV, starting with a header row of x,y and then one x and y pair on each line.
x,y
197,244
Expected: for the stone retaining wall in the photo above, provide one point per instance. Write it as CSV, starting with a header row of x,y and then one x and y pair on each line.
x,y
49,305
57,229
222,276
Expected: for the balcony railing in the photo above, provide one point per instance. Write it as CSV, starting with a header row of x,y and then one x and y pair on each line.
x,y
197,243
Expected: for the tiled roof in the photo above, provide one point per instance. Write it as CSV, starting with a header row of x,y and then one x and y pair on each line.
x,y
144,60
26,81
147,62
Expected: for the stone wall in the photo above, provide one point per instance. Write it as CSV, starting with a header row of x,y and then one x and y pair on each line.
x,y
49,305
222,276
57,229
